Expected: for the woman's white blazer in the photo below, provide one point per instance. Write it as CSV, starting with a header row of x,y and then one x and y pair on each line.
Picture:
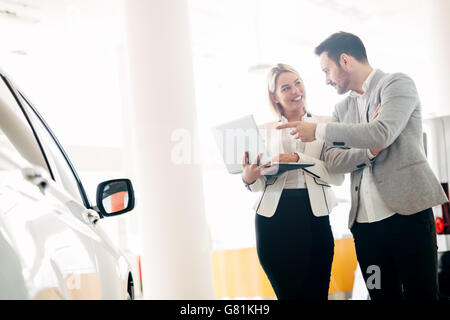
x,y
317,178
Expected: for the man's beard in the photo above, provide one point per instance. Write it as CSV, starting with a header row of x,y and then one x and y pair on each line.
x,y
344,88
345,81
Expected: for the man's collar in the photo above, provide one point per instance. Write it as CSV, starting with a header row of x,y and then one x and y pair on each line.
x,y
365,86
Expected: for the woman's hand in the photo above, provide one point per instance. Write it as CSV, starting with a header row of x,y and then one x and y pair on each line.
x,y
251,172
286,157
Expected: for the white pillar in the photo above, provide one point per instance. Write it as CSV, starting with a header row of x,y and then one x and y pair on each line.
x,y
439,26
176,260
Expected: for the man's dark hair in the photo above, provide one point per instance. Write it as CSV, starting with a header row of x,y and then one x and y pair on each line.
x,y
342,42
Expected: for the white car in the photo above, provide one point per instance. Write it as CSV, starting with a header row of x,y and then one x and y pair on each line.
x,y
51,242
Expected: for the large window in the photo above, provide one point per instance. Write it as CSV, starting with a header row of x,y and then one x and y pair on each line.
x,y
234,45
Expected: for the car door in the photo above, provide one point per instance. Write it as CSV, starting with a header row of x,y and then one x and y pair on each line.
x,y
51,246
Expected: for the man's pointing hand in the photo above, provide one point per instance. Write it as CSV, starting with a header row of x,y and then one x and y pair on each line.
x,y
305,131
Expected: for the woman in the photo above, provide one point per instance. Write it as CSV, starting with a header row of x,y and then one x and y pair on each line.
x,y
294,241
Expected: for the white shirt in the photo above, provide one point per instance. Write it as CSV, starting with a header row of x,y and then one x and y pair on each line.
x,y
295,178
371,206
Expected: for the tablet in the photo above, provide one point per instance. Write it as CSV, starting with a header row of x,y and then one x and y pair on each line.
x,y
235,137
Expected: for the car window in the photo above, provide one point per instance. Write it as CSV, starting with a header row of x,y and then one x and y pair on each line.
x,y
62,168
7,146
16,135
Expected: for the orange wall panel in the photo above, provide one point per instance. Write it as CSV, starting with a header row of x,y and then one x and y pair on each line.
x,y
237,272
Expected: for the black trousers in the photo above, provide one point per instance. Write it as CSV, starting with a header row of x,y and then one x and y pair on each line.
x,y
295,248
398,256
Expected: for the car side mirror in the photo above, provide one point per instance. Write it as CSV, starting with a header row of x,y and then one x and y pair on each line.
x,y
115,197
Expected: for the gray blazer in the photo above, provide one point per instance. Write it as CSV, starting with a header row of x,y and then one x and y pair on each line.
x,y
401,172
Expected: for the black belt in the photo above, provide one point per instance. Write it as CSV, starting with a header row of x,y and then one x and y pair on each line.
x,y
295,192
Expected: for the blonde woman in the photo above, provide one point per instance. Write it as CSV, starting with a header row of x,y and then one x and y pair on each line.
x,y
294,241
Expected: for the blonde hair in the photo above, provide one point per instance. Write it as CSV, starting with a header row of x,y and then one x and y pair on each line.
x,y
272,78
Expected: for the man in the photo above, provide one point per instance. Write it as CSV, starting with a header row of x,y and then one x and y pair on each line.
x,y
376,135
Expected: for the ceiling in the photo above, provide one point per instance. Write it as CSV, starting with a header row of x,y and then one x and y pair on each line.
x,y
27,25
251,34
258,21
